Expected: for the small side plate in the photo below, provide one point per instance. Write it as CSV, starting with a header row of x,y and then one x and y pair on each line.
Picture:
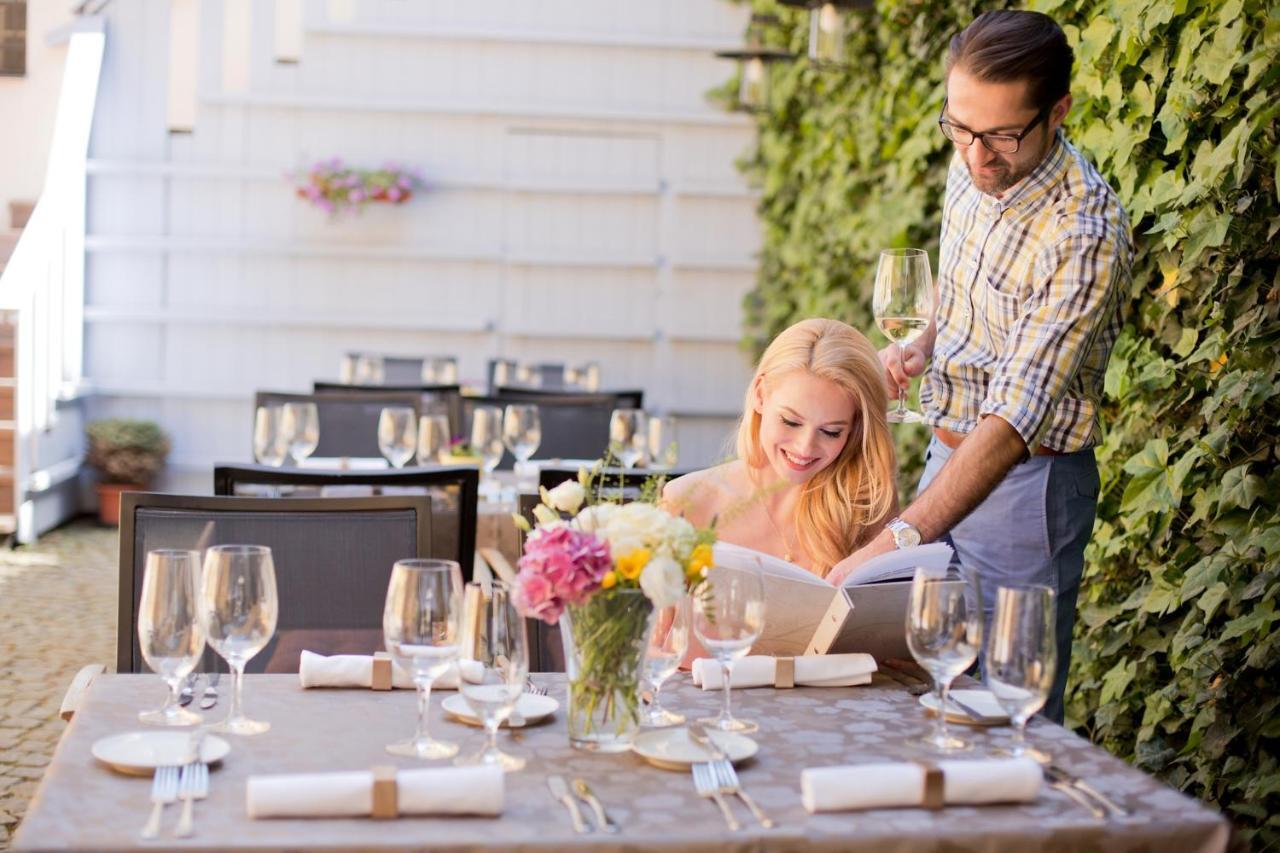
x,y
140,753
533,708
671,749
982,701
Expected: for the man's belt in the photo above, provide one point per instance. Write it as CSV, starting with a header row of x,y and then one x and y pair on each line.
x,y
953,439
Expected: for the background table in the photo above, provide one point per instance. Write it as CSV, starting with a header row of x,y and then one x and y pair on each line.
x,y
82,805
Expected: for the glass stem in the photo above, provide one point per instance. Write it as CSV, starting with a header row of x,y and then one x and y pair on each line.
x,y
237,691
175,693
655,700
1018,744
491,729
902,392
424,706
940,727
725,713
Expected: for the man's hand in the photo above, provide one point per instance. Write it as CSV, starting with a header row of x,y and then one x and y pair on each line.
x,y
900,366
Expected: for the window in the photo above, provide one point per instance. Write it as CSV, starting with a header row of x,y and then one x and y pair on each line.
x,y
13,38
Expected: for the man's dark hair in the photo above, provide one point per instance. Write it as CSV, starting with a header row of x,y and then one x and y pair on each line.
x,y
1006,45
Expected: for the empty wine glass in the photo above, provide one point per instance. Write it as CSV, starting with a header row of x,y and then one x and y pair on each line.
x,y
347,371
589,376
668,643
486,440
629,436
300,425
728,615
1021,658
902,303
269,444
944,633
496,632
663,450
370,370
433,438
440,370
421,625
169,631
238,609
504,373
521,431
397,436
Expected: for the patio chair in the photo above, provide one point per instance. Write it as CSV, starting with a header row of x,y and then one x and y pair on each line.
x,y
435,399
451,490
332,557
348,421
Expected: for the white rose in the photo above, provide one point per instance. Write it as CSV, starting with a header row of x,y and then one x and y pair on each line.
x,y
636,525
662,581
567,497
544,515
595,518
681,536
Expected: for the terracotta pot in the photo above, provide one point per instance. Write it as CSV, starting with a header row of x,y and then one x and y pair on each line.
x,y
109,500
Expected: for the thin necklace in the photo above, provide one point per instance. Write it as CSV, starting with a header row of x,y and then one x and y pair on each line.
x,y
787,552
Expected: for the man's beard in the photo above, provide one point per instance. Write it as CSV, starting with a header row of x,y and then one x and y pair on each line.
x,y
999,181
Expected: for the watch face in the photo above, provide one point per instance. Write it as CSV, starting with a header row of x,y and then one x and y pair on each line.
x,y
908,538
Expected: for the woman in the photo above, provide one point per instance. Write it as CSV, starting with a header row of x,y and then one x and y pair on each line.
x,y
814,474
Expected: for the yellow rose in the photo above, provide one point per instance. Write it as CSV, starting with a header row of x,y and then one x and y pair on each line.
x,y
699,560
631,565
609,581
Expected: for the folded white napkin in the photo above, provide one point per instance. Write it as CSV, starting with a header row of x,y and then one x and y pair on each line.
x,y
357,671
434,790
874,786
811,671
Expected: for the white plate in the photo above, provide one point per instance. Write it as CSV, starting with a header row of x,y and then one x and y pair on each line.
x,y
671,749
982,701
140,753
533,708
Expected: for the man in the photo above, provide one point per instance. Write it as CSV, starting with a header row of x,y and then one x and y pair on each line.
x,y
1035,254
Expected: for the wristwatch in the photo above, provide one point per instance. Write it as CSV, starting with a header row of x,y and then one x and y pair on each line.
x,y
904,535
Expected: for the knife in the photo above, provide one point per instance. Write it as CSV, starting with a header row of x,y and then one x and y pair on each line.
x,y
1053,771
974,714
560,791
584,792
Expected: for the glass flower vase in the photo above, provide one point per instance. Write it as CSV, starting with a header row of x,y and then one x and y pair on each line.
x,y
604,649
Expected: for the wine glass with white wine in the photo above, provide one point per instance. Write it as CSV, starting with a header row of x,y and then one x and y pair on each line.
x,y
903,305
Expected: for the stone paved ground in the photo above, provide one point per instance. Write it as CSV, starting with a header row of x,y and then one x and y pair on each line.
x,y
57,613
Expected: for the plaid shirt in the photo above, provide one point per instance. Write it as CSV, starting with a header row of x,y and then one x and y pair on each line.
x,y
1029,291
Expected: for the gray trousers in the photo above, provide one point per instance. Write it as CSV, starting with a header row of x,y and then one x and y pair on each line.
x,y
1031,530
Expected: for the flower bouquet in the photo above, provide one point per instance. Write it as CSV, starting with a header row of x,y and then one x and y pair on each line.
x,y
602,570
335,187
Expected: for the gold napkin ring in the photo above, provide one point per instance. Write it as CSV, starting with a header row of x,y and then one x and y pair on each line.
x,y
386,797
784,673
934,785
381,671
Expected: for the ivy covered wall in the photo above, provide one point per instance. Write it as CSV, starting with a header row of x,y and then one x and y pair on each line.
x,y
1177,659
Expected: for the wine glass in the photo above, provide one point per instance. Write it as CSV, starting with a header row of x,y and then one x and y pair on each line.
x,y
347,371
433,438
521,432
300,425
169,631
269,446
667,645
504,373
370,370
501,647
628,436
486,439
1021,658
663,450
397,438
944,633
440,370
728,615
238,609
421,625
589,376
902,303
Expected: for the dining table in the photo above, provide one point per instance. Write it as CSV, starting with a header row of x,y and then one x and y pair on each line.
x,y
81,804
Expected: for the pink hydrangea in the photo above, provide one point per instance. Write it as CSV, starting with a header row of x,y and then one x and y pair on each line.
x,y
560,566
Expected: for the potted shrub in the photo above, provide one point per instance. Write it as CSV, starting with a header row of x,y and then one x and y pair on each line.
x,y
127,454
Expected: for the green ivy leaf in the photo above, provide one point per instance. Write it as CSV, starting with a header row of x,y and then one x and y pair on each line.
x,y
1239,489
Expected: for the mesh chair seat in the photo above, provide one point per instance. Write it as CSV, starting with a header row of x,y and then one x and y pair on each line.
x,y
332,558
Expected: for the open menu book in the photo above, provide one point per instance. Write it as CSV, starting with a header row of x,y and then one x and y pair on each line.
x,y
805,615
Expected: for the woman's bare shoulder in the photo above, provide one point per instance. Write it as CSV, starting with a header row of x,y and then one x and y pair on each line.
x,y
702,495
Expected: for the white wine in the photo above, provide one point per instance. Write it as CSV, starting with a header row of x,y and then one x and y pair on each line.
x,y
902,330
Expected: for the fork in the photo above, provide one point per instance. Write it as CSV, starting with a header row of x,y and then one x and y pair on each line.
x,y
704,782
164,790
210,696
729,784
194,785
189,689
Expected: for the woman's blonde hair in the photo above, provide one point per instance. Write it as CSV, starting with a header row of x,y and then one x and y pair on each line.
x,y
840,503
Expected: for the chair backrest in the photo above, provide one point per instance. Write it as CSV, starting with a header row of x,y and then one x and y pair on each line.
x,y
574,426
624,399
348,421
435,399
332,557
451,490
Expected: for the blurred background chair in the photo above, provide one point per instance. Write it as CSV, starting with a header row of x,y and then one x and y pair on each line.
x,y
626,399
433,399
452,492
574,426
348,420
332,557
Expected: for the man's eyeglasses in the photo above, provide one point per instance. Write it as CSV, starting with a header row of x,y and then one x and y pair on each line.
x,y
1000,143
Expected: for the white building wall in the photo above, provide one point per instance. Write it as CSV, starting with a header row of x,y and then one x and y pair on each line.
x,y
582,204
